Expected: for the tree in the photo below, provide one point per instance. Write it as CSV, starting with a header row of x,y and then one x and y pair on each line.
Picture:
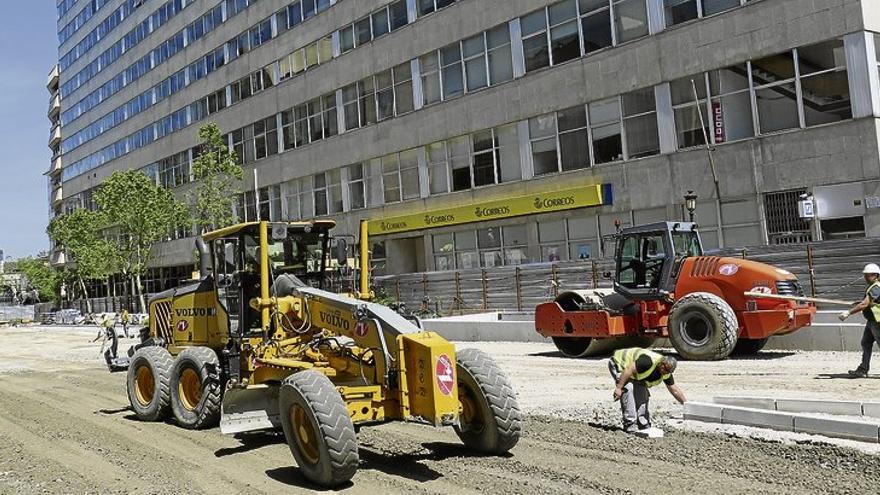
x,y
40,276
80,234
216,172
142,214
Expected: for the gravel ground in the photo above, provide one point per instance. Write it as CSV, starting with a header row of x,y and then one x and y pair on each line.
x,y
65,428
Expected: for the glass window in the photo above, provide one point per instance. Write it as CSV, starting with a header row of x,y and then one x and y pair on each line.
x,y
438,168
595,24
605,130
475,62
409,174
630,19
640,123
391,178
542,134
678,11
515,244
689,101
500,61
564,40
715,6
824,83
381,26
451,68
485,151
731,109
403,89
384,95
459,161
573,139
430,72
534,33
356,186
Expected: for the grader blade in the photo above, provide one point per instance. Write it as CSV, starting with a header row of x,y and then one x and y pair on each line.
x,y
250,409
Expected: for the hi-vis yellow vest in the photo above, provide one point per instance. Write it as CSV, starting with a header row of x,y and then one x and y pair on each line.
x,y
625,357
874,307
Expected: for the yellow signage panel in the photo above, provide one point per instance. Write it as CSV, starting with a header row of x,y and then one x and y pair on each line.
x,y
547,202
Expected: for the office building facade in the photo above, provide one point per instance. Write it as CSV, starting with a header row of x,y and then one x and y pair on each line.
x,y
480,133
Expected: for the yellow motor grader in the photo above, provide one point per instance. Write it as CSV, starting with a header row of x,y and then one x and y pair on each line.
x,y
258,342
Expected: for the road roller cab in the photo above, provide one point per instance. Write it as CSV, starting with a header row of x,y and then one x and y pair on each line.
x,y
664,286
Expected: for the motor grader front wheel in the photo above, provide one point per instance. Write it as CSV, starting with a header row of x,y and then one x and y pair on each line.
x,y
318,429
148,383
490,419
196,390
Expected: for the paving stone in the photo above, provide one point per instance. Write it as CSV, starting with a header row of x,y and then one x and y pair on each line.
x,y
702,411
757,417
842,407
839,428
750,402
871,409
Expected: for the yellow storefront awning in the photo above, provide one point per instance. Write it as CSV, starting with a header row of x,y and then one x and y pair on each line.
x,y
547,202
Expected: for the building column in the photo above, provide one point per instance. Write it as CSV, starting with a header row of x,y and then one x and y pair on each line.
x,y
424,177
516,49
412,12
656,16
340,114
416,73
344,178
525,149
665,118
864,79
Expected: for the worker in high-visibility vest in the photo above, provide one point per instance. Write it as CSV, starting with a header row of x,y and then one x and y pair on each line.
x,y
634,371
870,308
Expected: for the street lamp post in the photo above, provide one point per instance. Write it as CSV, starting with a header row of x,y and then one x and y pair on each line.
x,y
690,204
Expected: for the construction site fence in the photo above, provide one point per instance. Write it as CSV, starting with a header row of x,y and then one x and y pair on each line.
x,y
831,270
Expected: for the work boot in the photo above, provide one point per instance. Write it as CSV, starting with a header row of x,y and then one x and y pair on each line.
x,y
858,373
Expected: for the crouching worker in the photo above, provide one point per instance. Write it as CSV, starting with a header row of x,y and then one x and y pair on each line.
x,y
636,370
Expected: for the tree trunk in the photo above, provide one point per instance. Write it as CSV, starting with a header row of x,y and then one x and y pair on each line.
x,y
82,284
140,293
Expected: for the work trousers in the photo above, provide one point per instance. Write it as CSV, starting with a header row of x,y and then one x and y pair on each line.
x,y
633,402
871,335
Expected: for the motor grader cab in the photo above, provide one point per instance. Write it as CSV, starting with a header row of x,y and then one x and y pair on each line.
x,y
258,343
664,286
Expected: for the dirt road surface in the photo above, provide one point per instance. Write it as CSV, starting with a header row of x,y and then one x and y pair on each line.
x,y
65,428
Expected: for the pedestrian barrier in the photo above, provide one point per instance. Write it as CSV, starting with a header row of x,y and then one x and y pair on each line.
x,y
830,269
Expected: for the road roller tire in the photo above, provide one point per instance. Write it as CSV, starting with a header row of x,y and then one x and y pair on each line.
x,y
148,383
572,347
318,429
703,327
196,388
748,347
491,421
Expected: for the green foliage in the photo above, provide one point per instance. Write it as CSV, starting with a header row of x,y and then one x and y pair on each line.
x,y
40,276
217,173
141,213
79,234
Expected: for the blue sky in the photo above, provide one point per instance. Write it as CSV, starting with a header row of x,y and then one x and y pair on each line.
x,y
30,48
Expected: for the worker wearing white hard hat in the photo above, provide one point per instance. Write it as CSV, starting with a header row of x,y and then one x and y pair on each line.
x,y
870,308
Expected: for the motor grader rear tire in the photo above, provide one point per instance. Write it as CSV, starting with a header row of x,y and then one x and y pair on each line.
x,y
318,429
703,327
748,347
573,347
148,383
491,421
196,389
